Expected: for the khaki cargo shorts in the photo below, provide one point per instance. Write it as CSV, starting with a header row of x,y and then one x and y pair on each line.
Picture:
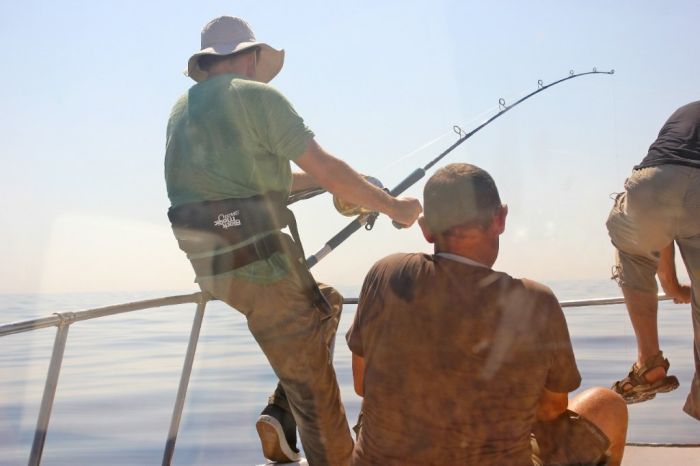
x,y
659,204
570,439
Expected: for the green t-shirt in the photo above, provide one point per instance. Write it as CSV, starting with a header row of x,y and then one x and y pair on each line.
x,y
232,137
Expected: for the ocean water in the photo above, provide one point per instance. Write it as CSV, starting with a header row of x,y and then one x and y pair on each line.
x,y
120,376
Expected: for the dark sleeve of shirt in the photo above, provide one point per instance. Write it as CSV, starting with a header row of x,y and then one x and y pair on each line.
x,y
368,305
563,375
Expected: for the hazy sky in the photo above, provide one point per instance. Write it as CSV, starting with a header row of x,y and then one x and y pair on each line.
x,y
86,89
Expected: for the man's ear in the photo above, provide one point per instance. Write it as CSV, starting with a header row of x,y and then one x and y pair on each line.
x,y
499,219
429,237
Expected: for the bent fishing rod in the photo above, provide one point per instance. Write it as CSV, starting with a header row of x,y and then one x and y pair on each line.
x,y
367,220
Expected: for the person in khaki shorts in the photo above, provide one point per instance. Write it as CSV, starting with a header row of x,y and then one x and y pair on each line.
x,y
229,143
460,364
659,207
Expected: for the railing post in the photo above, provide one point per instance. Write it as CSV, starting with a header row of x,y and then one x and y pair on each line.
x,y
47,399
184,381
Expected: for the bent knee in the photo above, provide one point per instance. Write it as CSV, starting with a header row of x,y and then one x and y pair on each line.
x,y
598,401
604,408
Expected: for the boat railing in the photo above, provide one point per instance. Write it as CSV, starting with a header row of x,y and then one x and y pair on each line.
x,y
63,321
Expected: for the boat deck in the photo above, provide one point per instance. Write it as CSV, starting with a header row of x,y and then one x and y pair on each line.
x,y
668,456
634,456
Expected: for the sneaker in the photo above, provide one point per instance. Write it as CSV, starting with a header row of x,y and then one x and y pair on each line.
x,y
278,434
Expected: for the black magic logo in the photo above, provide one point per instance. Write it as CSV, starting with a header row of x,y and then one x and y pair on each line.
x,y
228,220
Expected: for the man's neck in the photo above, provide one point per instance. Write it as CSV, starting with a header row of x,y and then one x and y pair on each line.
x,y
462,259
480,255
240,67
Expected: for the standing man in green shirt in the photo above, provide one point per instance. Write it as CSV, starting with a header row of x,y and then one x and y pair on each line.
x,y
230,140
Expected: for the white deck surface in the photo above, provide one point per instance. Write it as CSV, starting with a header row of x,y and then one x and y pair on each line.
x,y
661,456
634,456
301,462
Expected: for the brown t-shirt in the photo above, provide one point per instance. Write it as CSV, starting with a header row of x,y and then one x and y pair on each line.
x,y
456,357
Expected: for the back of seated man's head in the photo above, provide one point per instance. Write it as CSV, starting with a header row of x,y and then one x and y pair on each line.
x,y
460,196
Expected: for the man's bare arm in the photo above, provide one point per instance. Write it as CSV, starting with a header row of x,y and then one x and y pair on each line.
x,y
551,405
666,271
358,374
302,181
341,180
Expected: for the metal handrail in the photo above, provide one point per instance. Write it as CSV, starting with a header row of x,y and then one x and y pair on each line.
x,y
69,317
572,303
184,381
56,319
64,320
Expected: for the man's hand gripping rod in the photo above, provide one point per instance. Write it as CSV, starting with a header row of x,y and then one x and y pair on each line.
x,y
419,173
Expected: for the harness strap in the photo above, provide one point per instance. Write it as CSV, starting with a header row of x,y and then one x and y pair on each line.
x,y
299,262
231,260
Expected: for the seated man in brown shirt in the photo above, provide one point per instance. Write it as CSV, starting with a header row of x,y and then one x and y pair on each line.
x,y
462,365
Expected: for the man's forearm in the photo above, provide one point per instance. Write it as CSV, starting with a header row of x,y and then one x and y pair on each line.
x,y
358,374
302,181
666,269
341,180
551,405
351,187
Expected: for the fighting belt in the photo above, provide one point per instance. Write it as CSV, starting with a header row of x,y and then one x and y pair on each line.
x,y
208,226
205,227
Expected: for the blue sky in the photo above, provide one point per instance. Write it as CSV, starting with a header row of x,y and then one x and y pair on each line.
x,y
87,88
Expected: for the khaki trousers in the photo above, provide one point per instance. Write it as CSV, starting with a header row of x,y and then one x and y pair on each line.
x,y
296,337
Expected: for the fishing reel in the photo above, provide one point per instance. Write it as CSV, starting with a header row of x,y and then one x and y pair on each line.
x,y
352,210
349,209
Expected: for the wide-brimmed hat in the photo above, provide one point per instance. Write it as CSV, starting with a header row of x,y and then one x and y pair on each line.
x,y
226,35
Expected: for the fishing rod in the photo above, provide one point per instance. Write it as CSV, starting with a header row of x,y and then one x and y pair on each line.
x,y
367,220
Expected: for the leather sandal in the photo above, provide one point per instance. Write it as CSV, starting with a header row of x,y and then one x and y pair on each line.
x,y
635,388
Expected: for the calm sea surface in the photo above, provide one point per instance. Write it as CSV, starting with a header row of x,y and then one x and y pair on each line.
x,y
120,375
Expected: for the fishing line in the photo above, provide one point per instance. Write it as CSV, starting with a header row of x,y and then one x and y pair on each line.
x,y
479,117
367,220
615,138
313,192
413,152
